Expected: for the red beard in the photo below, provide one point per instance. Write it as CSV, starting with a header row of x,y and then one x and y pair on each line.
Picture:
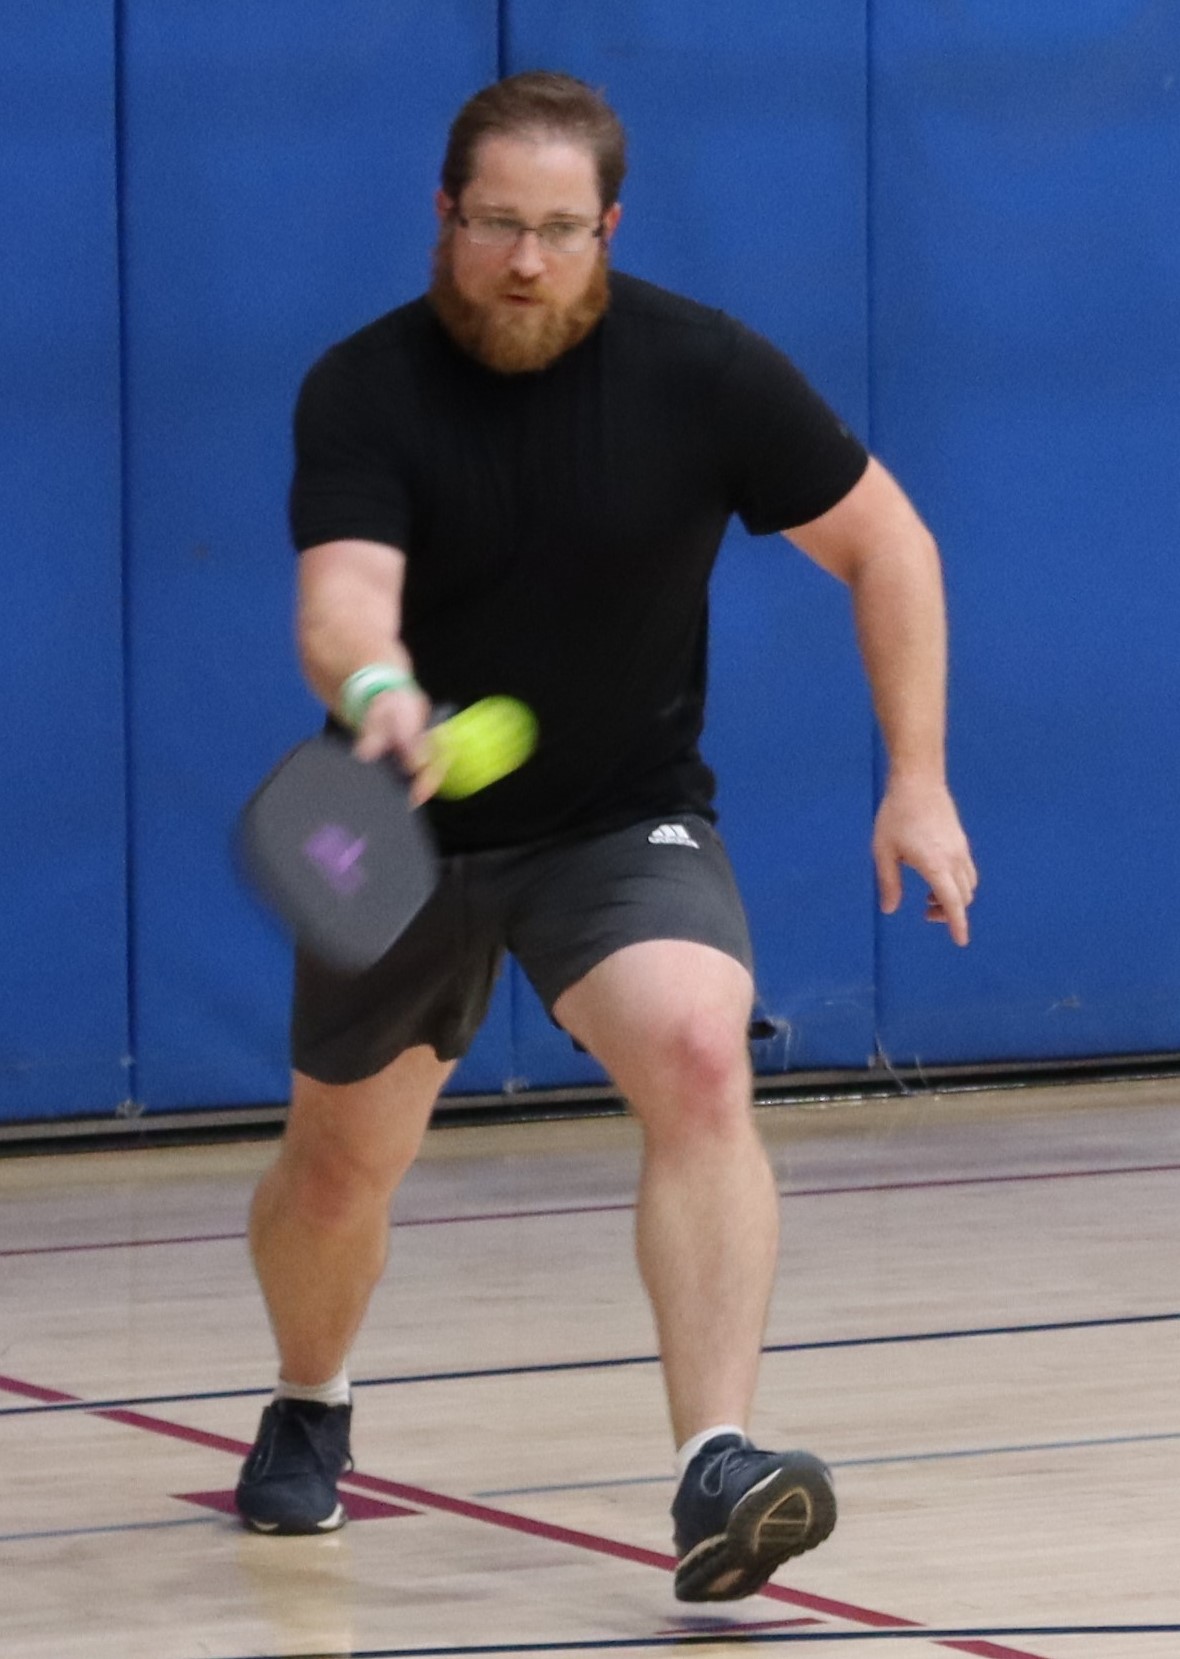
x,y
516,341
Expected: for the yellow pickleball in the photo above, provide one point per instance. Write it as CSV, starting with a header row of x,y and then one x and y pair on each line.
x,y
484,743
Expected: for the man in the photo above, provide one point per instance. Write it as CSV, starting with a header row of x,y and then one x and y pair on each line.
x,y
518,484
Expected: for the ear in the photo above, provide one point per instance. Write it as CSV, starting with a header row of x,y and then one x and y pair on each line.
x,y
444,205
610,221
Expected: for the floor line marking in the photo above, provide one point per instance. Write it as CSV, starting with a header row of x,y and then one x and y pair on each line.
x,y
116,1410
91,1532
961,1641
848,1463
508,1520
934,1183
51,1401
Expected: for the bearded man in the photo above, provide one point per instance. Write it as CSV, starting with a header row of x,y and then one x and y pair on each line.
x,y
518,484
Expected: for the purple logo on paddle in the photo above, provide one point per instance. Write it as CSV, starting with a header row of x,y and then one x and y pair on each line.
x,y
336,854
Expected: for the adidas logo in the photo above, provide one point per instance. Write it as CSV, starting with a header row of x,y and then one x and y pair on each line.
x,y
672,835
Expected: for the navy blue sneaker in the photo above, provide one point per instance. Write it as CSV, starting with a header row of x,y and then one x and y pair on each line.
x,y
288,1482
739,1513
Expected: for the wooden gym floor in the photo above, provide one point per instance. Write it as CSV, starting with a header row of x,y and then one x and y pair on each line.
x,y
977,1323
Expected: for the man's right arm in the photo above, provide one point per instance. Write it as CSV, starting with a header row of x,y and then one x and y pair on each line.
x,y
349,617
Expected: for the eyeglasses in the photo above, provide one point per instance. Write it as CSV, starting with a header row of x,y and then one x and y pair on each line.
x,y
570,236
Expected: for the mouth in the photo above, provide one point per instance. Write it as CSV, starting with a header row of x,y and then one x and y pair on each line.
x,y
522,299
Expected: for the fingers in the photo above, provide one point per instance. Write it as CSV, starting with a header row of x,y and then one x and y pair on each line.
x,y
919,826
394,725
946,902
952,890
966,877
950,909
371,745
427,770
888,882
417,755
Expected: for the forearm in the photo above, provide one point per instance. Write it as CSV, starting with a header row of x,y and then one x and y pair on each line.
x,y
875,542
349,614
329,653
898,604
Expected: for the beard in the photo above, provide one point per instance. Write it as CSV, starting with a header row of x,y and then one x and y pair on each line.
x,y
508,340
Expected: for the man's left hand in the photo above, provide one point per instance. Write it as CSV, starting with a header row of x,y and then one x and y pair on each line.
x,y
918,824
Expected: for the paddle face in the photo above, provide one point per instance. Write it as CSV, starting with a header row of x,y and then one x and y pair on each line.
x,y
333,846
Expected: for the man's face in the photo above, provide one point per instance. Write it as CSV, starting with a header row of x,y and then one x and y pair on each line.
x,y
518,306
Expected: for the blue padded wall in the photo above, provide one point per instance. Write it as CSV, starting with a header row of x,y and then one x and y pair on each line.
x,y
1026,355
962,222
280,164
746,190
63,984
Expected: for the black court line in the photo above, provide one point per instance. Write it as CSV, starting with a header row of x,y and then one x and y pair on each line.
x,y
618,1362
954,1454
125,1526
965,1639
633,1480
661,1480
934,1183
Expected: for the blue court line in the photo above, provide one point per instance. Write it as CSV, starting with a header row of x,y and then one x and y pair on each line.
x,y
91,1532
912,1633
855,1463
556,1367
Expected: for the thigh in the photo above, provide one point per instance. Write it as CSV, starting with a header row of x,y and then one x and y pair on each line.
x,y
369,1129
661,879
431,989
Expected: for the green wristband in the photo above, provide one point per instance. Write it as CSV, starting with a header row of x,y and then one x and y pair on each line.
x,y
360,688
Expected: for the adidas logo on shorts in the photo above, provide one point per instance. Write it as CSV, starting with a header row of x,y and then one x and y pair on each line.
x,y
672,835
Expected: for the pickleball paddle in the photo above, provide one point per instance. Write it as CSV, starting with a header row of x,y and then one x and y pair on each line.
x,y
334,847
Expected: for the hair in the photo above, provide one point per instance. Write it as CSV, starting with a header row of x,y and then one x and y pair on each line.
x,y
538,102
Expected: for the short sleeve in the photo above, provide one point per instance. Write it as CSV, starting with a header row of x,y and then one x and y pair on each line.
x,y
790,457
350,478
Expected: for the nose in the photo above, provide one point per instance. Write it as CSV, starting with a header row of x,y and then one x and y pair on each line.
x,y
527,260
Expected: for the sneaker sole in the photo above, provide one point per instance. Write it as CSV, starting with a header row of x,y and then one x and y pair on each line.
x,y
788,1513
281,1529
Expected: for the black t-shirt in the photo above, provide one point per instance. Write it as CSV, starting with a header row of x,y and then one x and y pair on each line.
x,y
560,527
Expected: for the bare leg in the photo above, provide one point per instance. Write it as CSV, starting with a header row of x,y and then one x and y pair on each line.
x,y
669,1020
319,1224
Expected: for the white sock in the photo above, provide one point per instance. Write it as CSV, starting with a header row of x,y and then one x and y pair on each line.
x,y
334,1392
691,1447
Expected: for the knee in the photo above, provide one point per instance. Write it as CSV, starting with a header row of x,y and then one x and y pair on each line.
x,y
702,1074
329,1186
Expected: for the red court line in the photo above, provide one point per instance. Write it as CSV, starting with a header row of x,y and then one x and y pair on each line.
x,y
849,1612
30,1391
606,1209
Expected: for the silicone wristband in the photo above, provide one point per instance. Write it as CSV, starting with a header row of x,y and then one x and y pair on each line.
x,y
360,688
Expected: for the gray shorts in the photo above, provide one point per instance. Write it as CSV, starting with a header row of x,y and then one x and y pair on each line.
x,y
560,908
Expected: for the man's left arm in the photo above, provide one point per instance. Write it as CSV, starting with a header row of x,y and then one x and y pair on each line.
x,y
874,541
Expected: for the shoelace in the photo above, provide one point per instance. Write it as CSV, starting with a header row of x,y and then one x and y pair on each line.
x,y
718,1466
270,1448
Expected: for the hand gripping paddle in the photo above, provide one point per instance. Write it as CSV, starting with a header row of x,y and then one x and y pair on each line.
x,y
334,846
